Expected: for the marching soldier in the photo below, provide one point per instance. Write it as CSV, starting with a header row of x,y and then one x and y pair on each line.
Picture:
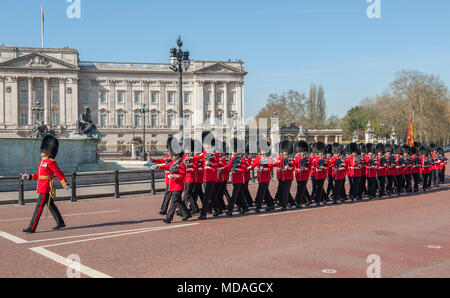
x,y
362,182
442,163
381,169
436,165
425,170
371,171
416,167
286,166
302,170
391,170
353,164
320,171
264,166
47,169
408,167
191,163
166,160
338,166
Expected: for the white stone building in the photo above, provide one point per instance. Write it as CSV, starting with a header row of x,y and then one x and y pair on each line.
x,y
57,81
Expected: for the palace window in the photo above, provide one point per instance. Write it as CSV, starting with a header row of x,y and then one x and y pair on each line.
x,y
120,96
85,96
154,97
170,120
207,97
55,119
103,96
23,119
231,97
170,97
55,96
187,120
23,95
103,120
219,97
137,120
154,120
137,96
120,120
187,97
40,95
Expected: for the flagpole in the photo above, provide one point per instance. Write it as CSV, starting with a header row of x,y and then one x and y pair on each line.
x,y
42,20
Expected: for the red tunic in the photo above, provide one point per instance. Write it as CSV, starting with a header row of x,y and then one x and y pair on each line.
x,y
284,174
426,165
371,169
353,166
302,173
263,173
46,170
238,176
164,160
210,168
338,173
175,184
381,167
391,166
320,172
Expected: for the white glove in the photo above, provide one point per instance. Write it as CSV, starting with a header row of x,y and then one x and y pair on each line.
x,y
170,176
26,177
154,167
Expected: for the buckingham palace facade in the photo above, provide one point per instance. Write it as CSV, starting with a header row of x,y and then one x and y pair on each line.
x,y
53,86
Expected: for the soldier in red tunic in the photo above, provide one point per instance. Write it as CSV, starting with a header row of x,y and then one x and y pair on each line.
x,y
46,188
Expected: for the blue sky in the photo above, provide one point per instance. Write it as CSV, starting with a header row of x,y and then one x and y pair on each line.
x,y
285,44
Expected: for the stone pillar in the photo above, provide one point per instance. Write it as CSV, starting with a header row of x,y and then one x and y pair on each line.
x,y
336,139
162,103
75,102
62,102
225,103
30,101
14,101
242,101
112,103
147,100
47,106
198,107
213,103
129,100
326,140
239,101
2,101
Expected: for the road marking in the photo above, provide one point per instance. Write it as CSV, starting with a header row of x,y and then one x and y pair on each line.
x,y
124,234
329,271
61,260
294,211
12,238
67,215
434,246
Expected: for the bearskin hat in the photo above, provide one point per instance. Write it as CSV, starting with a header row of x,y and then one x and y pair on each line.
x,y
413,150
433,147
370,148
286,146
237,145
352,148
388,148
380,148
328,149
49,146
362,148
209,138
406,149
173,146
397,149
319,147
301,146
336,148
188,144
423,150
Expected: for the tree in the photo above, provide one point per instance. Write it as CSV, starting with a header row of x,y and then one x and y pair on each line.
x,y
316,108
321,109
288,107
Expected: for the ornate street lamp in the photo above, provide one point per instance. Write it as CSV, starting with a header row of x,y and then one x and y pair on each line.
x,y
143,111
37,109
179,62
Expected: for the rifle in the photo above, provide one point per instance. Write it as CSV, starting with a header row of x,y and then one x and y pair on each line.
x,y
236,162
174,168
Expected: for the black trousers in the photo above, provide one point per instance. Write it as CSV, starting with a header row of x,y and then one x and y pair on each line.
x,y
442,176
261,195
355,183
286,193
389,183
408,182
381,185
318,190
189,198
426,181
237,197
339,189
177,202
278,193
198,192
247,195
416,177
331,185
371,186
436,178
40,205
400,183
166,200
302,196
362,186
208,198
220,190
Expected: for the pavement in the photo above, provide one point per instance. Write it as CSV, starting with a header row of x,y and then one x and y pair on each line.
x,y
406,236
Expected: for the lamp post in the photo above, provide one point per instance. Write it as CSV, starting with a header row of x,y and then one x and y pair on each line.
x,y
37,109
143,111
179,62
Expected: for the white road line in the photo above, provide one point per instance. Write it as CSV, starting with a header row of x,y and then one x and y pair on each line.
x,y
125,234
61,260
12,238
294,211
66,215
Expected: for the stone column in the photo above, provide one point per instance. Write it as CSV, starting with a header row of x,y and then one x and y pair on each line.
x,y
198,107
62,102
147,100
112,103
213,103
238,100
225,103
162,103
47,106
2,101
326,140
75,102
336,139
30,101
129,100
14,103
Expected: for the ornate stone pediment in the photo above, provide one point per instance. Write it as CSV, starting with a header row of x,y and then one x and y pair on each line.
x,y
37,61
219,68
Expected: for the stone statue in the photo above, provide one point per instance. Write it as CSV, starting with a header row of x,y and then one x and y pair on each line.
x,y
85,126
40,130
